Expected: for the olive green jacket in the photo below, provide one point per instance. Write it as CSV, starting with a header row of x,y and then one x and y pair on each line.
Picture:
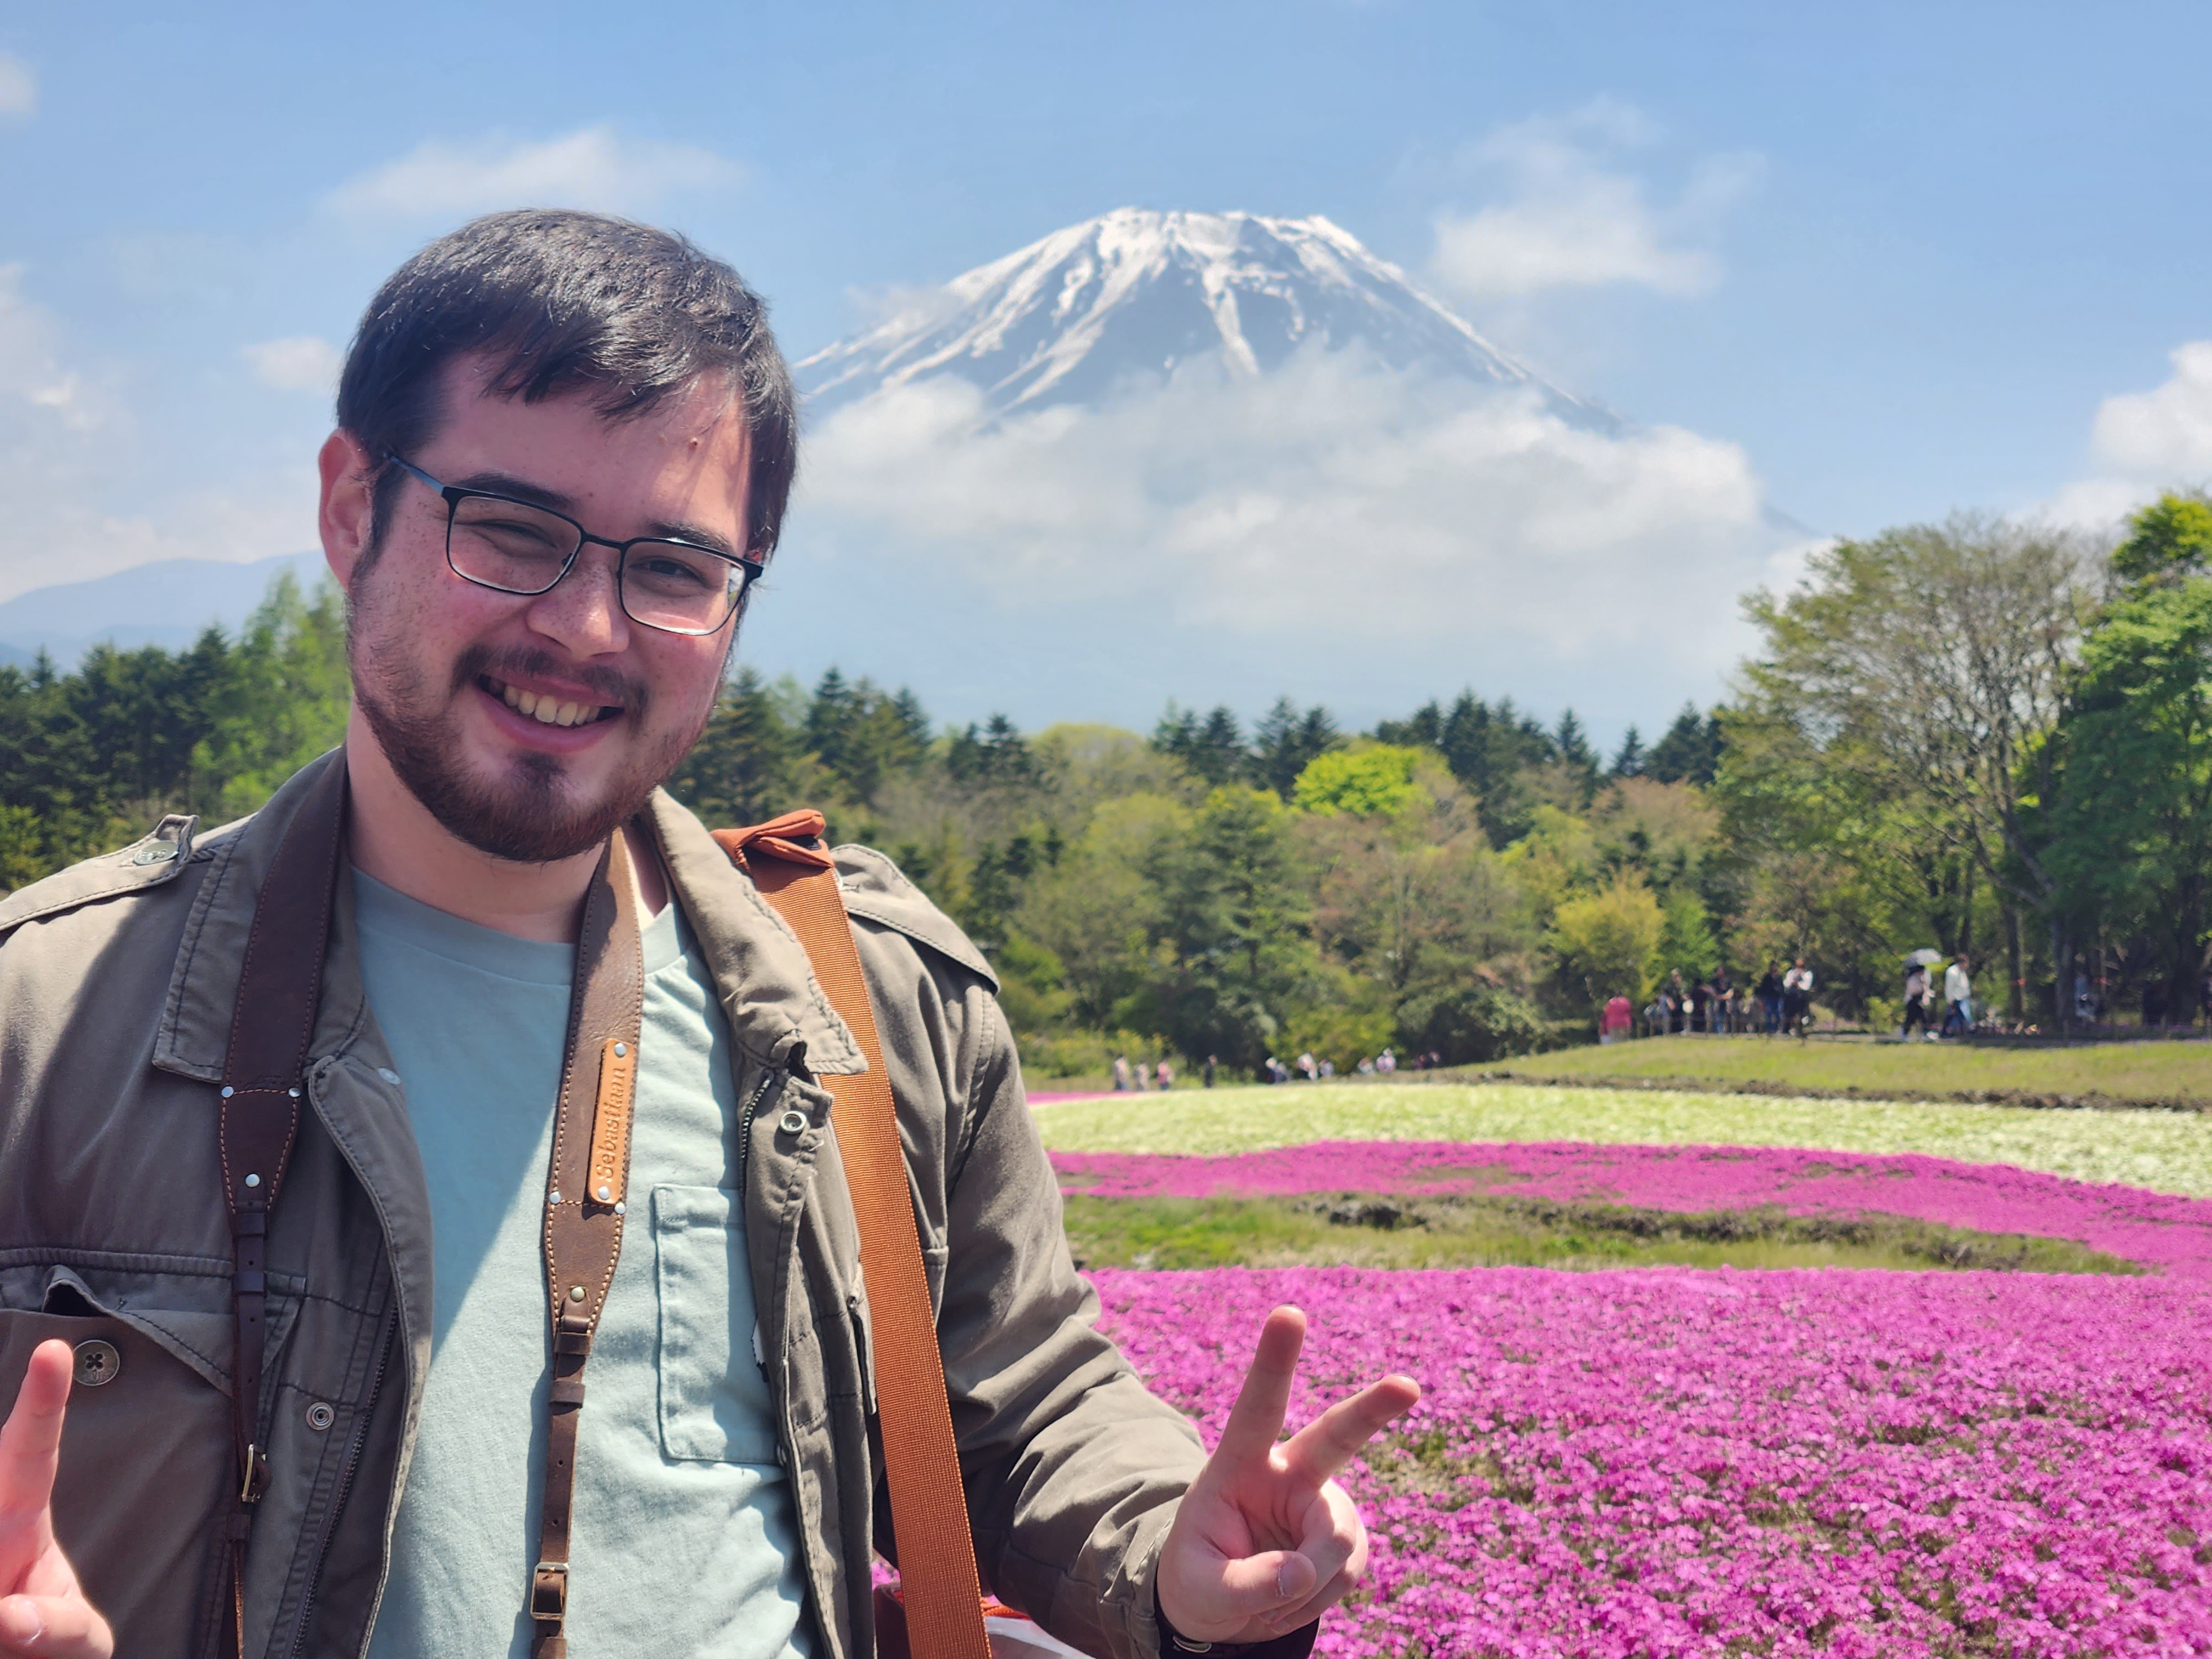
x,y
116,981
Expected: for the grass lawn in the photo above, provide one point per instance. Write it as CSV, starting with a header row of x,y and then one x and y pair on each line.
x,y
2116,1071
2164,1152
1159,1233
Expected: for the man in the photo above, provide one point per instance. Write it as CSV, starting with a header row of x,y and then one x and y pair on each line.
x,y
1769,993
1958,997
564,447
1797,998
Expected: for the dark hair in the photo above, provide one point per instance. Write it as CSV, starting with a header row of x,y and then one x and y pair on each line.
x,y
561,302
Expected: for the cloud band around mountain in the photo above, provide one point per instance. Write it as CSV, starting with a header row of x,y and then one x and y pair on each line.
x,y
1336,497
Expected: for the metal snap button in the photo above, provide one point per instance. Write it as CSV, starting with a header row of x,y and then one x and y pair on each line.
x,y
160,853
321,1416
792,1123
97,1364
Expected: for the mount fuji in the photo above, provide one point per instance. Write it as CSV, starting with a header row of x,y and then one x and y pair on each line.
x,y
1136,295
1209,456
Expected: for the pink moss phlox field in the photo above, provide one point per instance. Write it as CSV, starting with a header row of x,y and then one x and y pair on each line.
x,y
1676,1461
2173,1234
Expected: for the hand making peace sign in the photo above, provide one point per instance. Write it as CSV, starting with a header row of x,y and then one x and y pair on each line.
x,y
42,1612
1266,1541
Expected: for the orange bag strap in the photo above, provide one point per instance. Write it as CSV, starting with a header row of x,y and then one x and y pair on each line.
x,y
938,1579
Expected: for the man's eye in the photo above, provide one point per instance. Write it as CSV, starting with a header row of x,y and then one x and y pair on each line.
x,y
510,527
668,571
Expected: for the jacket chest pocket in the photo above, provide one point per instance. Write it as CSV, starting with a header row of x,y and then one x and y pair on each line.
x,y
714,1405
146,1468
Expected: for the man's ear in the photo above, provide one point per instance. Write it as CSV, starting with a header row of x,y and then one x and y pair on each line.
x,y
347,515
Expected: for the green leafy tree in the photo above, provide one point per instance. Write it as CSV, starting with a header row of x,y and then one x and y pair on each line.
x,y
1234,943
1608,942
2130,816
2169,539
1919,671
1374,781
1686,943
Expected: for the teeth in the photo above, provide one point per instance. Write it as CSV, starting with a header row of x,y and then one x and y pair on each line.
x,y
547,709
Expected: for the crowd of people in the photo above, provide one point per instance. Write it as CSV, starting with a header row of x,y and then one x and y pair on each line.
x,y
1781,1001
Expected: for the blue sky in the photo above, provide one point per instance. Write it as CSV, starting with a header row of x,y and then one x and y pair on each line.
x,y
1905,257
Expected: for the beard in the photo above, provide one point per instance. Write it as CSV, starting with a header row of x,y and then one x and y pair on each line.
x,y
532,812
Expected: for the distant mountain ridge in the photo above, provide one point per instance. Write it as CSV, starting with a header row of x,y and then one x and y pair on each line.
x,y
166,603
1137,292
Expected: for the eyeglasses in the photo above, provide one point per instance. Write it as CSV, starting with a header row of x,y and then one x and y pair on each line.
x,y
516,547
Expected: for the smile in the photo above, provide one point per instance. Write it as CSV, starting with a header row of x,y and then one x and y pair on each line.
x,y
550,711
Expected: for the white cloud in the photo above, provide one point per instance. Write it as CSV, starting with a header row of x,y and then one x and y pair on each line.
x,y
1334,499
19,89
593,167
2166,431
1568,216
68,446
298,362
2144,443
40,394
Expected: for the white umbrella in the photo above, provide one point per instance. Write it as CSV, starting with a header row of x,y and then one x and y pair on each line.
x,y
1926,956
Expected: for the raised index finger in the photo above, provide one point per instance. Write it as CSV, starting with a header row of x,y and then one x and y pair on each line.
x,y
1257,1419
1329,1442
30,1440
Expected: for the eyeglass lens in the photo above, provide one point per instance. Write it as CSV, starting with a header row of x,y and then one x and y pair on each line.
x,y
522,550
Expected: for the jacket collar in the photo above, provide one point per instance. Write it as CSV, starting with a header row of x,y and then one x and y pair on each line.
x,y
774,1005
776,1010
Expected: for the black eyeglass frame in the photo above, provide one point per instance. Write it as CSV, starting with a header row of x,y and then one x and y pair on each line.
x,y
454,494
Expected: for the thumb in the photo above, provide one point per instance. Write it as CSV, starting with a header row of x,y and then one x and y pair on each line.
x,y
1258,1585
53,1627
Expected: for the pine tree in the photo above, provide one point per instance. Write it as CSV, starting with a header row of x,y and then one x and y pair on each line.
x,y
1690,752
742,769
1628,759
1285,742
1573,747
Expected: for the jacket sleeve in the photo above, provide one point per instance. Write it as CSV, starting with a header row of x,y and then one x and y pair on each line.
x,y
1074,1470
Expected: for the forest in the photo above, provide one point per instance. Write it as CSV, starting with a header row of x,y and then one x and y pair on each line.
x,y
1975,736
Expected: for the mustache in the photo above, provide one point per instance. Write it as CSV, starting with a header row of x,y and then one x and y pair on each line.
x,y
627,692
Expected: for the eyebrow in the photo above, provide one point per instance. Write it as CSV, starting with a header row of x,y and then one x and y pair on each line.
x,y
522,489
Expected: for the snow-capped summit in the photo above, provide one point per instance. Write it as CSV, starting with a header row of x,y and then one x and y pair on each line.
x,y
1136,292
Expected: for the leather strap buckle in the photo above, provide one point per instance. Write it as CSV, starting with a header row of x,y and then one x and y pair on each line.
x,y
256,1480
549,1592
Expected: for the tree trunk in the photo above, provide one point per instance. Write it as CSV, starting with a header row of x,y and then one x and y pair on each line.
x,y
2015,1000
2062,975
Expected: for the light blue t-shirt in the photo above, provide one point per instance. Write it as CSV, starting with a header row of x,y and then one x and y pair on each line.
x,y
682,1537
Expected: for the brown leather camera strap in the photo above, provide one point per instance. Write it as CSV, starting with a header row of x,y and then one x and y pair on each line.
x,y
279,992
585,1188
264,1070
921,1461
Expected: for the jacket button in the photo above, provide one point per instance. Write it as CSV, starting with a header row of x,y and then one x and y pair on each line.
x,y
792,1122
321,1416
98,1364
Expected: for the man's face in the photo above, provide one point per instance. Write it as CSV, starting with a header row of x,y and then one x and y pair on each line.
x,y
443,669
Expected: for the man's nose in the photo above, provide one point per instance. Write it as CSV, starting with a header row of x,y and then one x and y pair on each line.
x,y
582,612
